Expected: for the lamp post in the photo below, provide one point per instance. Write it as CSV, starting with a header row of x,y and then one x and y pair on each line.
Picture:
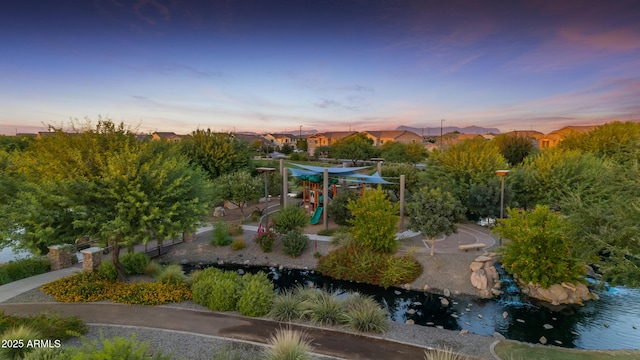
x,y
266,171
502,174
300,130
441,121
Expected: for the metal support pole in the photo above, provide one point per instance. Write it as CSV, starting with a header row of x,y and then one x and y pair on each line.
x,y
281,189
325,199
266,198
402,185
285,186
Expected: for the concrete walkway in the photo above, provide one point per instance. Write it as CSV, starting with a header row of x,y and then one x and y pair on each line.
x,y
327,342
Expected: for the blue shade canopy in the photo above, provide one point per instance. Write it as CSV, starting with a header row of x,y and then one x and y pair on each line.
x,y
345,171
370,179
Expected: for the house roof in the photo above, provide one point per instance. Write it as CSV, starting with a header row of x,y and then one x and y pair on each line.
x,y
526,133
386,134
336,135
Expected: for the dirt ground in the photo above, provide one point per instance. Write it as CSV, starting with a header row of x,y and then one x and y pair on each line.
x,y
447,269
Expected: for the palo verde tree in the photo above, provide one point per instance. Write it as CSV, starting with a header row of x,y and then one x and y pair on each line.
x,y
538,249
217,153
356,147
238,188
434,212
469,162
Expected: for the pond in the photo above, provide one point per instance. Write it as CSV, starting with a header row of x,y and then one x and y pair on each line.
x,y
609,323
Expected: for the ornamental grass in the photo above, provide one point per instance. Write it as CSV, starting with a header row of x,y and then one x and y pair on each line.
x,y
91,287
361,264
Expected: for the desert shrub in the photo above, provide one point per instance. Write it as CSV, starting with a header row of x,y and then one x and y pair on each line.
x,y
294,243
90,287
362,264
118,348
23,268
543,253
299,157
4,277
286,307
375,221
363,313
171,274
337,208
342,238
291,217
44,353
256,295
220,236
216,289
152,269
51,325
288,345
134,263
265,238
238,244
108,271
324,309
235,229
20,334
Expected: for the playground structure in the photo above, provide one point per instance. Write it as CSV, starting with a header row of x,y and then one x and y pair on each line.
x,y
314,183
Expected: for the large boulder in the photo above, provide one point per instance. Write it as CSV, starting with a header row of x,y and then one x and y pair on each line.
x,y
219,212
479,279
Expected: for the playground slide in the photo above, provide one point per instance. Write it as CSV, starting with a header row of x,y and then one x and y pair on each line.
x,y
316,216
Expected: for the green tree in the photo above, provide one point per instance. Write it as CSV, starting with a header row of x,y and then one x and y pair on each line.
x,y
538,249
434,212
393,152
143,195
356,147
102,183
375,221
469,162
337,208
484,199
617,141
515,148
393,172
14,143
239,188
415,152
302,144
286,149
217,153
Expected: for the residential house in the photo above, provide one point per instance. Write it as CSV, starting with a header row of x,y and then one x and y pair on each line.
x,y
167,136
326,139
279,140
402,136
252,139
555,137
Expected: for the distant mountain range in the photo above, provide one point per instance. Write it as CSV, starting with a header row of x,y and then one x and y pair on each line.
x,y
435,131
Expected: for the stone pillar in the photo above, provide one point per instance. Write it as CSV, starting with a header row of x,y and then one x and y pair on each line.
x,y
91,258
60,257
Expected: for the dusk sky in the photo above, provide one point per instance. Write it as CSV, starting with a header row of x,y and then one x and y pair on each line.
x,y
267,65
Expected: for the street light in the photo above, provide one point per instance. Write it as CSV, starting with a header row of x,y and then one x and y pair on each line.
x,y
266,171
502,174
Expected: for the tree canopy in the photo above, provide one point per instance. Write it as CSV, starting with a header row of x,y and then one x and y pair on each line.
x,y
217,153
103,184
434,212
356,147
